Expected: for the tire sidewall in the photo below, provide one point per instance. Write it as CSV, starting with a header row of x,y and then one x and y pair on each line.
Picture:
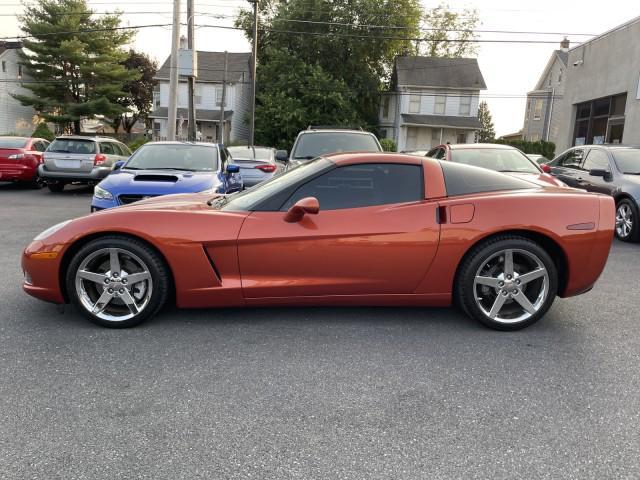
x,y
633,235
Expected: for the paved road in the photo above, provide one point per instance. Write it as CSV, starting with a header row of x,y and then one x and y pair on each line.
x,y
349,393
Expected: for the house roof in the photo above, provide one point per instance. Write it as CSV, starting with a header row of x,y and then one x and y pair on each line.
x,y
201,115
557,55
439,72
4,46
447,121
211,67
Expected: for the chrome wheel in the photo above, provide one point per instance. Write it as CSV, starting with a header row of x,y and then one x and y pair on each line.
x,y
624,220
511,286
113,284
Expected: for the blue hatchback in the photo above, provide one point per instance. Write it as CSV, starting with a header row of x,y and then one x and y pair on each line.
x,y
164,168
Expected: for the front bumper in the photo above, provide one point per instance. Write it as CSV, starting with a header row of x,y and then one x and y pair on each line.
x,y
101,204
41,267
97,174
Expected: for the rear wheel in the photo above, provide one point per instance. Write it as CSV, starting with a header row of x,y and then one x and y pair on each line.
x,y
56,187
627,228
507,283
118,282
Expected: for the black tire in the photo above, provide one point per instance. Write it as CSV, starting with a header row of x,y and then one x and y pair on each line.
x,y
56,187
634,233
464,289
34,184
160,278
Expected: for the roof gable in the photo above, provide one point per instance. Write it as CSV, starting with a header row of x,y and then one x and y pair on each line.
x,y
439,72
557,56
211,67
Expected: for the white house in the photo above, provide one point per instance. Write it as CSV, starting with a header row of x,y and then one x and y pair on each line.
x,y
14,117
208,96
432,101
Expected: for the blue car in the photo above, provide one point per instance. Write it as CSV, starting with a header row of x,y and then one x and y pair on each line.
x,y
164,168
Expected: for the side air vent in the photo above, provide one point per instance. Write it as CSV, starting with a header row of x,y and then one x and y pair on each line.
x,y
156,178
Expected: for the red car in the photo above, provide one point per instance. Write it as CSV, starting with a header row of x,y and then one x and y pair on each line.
x,y
498,157
19,159
346,229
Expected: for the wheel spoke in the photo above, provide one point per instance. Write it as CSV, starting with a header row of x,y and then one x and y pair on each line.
x,y
114,261
488,281
497,305
102,302
524,302
129,301
531,276
508,262
92,277
137,277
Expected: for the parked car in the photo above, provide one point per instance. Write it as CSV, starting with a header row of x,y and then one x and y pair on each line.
x,y
501,158
611,169
257,164
348,229
80,160
316,141
20,158
164,168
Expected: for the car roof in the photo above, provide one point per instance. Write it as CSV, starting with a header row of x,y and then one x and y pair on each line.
x,y
479,146
179,142
612,146
374,157
85,137
334,130
16,137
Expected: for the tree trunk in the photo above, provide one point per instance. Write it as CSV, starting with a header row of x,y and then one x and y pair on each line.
x,y
76,127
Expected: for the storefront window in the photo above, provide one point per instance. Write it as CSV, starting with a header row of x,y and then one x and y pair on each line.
x,y
600,121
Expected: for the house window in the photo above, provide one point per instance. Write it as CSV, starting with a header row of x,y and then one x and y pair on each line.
x,y
537,110
465,106
198,95
156,130
383,133
19,71
385,106
560,76
440,104
412,137
414,103
436,136
461,138
4,67
219,97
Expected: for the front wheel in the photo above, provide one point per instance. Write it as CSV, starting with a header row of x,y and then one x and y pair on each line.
x,y
627,228
507,283
117,281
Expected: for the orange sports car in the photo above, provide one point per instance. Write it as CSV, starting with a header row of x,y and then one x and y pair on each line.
x,y
346,229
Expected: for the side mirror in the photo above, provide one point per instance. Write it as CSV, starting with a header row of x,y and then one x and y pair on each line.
x,y
118,165
282,156
599,172
545,168
308,205
232,168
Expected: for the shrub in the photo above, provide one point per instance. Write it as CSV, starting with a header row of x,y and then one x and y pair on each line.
x,y
388,145
546,149
137,143
43,131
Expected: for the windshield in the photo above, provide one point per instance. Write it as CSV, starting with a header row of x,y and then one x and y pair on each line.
x,y
628,161
312,145
246,153
72,145
163,156
499,159
13,142
248,199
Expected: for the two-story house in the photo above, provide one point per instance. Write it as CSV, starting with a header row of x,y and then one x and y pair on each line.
x,y
541,119
208,97
14,117
432,101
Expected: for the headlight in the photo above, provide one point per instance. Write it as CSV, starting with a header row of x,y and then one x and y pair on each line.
x,y
51,230
101,193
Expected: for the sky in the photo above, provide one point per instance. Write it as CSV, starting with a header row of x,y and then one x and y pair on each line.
x,y
510,70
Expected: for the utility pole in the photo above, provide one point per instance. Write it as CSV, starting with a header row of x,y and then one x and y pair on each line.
x,y
254,55
173,74
224,91
191,79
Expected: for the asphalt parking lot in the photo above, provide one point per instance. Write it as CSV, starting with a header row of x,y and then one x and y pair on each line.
x,y
349,393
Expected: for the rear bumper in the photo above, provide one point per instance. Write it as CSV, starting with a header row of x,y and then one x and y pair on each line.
x,y
17,173
97,174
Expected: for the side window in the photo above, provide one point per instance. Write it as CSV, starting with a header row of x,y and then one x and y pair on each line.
x,y
572,159
433,153
107,148
223,158
38,146
125,150
363,185
441,153
597,159
228,155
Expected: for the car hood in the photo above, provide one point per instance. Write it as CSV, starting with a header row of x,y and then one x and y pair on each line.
x,y
542,179
158,182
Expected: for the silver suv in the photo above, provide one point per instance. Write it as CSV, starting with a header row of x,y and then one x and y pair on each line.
x,y
77,159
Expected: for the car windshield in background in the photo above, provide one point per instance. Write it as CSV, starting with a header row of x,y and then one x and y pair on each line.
x,y
628,161
163,156
499,159
246,153
72,145
315,144
248,199
12,142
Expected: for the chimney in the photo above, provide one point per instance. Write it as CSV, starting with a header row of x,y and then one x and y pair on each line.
x,y
564,44
183,42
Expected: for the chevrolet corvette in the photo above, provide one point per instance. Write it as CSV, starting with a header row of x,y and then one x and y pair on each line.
x,y
373,229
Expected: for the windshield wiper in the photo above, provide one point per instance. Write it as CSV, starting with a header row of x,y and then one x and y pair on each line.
x,y
306,157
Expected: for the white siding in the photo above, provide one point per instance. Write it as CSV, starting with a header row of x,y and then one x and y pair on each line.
x,y
239,125
14,117
428,100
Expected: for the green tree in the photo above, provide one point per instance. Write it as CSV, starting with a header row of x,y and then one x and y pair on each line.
x,y
138,99
75,60
388,145
487,133
43,131
449,34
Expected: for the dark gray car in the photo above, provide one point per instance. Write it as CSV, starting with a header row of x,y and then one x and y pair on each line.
x,y
610,169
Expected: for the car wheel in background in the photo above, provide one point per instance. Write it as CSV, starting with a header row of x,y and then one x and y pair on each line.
x,y
117,282
56,187
507,282
627,221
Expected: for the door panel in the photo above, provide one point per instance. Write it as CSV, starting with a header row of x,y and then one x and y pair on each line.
x,y
382,249
567,167
597,159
